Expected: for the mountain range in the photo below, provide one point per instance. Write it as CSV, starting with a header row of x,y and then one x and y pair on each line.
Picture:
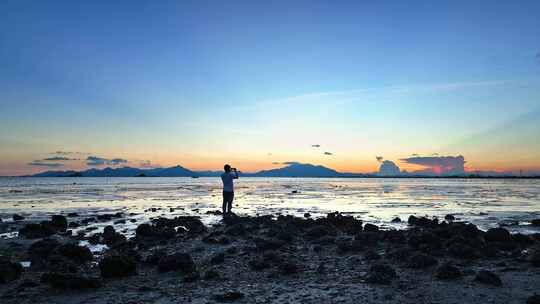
x,y
291,170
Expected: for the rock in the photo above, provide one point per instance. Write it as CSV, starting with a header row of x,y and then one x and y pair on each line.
x,y
27,284
372,255
72,214
534,299
534,258
229,296
74,225
317,232
70,281
117,266
489,278
421,261
9,271
76,253
381,274
535,222
177,262
40,250
307,215
236,230
144,230
59,222
448,271
218,258
264,244
422,221
111,237
259,264
462,251
371,228
497,235
450,217
36,231
289,267
120,222
211,274
396,220
17,217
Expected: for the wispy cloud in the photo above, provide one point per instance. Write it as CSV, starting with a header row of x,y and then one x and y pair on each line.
x,y
316,146
328,153
379,158
439,164
59,158
95,161
39,163
70,153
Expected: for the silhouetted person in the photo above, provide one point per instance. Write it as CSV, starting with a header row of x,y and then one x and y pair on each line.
x,y
228,187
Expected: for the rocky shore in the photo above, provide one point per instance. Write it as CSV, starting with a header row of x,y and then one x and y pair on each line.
x,y
265,259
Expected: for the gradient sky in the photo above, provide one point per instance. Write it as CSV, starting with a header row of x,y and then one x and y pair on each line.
x,y
201,83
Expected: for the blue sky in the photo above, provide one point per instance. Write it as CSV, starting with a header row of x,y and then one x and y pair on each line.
x,y
200,83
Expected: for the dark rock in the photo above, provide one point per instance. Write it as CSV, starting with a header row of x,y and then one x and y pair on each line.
x,y
76,253
448,271
535,222
40,250
425,240
534,299
27,284
177,262
70,281
9,271
211,274
381,274
117,266
73,225
59,222
396,220
229,296
36,231
371,228
450,217
421,261
307,215
372,255
422,221
347,244
17,217
111,237
214,212
288,267
144,230
72,214
497,235
191,277
236,230
534,258
489,278
218,258
259,263
265,244
317,232
462,250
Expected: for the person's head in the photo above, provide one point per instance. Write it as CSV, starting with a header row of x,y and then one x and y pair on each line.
x,y
227,168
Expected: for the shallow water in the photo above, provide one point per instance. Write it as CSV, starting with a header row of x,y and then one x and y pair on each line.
x,y
485,202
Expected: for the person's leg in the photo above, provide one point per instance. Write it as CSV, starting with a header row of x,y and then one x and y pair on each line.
x,y
225,199
231,198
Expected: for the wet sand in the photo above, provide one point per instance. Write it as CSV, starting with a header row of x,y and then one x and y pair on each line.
x,y
282,259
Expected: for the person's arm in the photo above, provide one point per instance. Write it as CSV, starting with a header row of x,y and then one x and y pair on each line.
x,y
235,174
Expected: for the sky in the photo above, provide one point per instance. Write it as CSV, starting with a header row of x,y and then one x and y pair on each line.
x,y
260,83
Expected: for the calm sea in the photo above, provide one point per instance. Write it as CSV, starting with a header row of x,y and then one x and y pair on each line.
x,y
485,202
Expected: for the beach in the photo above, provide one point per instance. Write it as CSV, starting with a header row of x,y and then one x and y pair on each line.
x,y
107,249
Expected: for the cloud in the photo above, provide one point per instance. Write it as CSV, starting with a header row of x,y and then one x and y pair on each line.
x,y
316,146
146,164
44,164
389,168
69,153
440,165
117,161
328,153
59,158
379,158
291,163
537,55
435,154
276,163
95,161
415,154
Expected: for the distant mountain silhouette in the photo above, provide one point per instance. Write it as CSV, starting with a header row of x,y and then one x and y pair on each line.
x,y
292,170
299,170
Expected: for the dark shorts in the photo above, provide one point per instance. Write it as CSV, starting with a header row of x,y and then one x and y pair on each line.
x,y
228,196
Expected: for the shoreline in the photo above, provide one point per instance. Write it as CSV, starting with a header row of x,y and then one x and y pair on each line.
x,y
265,259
